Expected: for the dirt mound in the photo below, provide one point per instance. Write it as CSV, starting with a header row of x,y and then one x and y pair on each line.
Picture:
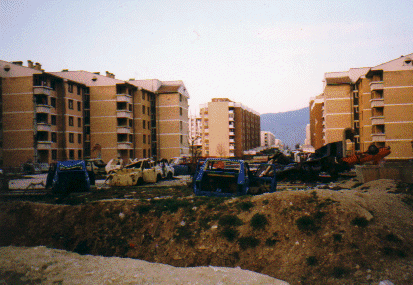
x,y
318,236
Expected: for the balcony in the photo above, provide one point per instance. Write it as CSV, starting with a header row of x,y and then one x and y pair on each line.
x,y
231,133
378,137
124,114
231,140
231,126
39,90
376,85
124,98
44,145
378,120
206,130
44,127
231,118
40,108
231,147
124,145
123,130
377,102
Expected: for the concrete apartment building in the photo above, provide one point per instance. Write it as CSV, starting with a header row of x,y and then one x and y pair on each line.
x,y
195,133
51,116
228,128
267,138
368,105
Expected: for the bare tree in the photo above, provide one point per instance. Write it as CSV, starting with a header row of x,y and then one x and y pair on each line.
x,y
220,150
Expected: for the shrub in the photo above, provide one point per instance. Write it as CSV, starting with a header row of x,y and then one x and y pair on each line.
x,y
271,241
259,221
265,202
311,260
245,206
337,237
142,209
229,233
360,222
339,272
248,242
306,223
230,220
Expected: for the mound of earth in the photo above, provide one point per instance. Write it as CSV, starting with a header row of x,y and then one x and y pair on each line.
x,y
346,233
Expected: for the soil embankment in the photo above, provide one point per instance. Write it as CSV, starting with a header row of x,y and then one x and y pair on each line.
x,y
355,234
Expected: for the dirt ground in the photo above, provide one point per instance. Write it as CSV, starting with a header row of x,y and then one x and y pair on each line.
x,y
341,233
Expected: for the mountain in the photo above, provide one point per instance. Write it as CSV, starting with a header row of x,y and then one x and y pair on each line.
x,y
289,126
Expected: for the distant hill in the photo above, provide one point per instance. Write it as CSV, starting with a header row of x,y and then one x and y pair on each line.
x,y
289,126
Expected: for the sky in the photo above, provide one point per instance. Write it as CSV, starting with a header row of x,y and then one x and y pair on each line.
x,y
269,55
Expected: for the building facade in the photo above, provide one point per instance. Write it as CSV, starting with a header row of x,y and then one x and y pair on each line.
x,y
267,138
228,128
53,116
367,106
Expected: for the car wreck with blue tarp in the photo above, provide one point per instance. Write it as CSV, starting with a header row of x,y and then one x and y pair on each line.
x,y
231,177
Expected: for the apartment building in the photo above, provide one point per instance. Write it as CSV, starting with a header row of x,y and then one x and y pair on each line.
x,y
170,136
365,106
52,116
195,135
267,138
228,128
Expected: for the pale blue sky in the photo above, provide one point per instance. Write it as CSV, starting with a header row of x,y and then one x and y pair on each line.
x,y
269,55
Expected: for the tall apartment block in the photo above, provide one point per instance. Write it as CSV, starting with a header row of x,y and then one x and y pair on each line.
x,y
228,128
365,106
195,135
267,138
51,116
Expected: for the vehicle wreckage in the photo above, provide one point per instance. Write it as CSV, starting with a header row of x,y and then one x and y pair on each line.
x,y
232,177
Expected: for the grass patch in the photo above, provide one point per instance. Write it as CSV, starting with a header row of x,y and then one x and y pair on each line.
x,y
142,209
169,205
248,242
361,222
259,221
271,241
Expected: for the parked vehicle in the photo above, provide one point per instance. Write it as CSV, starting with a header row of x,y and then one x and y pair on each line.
x,y
115,164
181,165
69,176
97,164
231,177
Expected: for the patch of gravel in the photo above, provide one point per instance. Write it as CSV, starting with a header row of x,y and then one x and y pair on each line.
x,y
41,265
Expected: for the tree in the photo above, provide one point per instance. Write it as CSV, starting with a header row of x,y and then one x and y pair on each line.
x,y
220,150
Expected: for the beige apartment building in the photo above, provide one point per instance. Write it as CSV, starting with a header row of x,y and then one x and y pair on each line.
x,y
367,106
267,138
52,116
228,128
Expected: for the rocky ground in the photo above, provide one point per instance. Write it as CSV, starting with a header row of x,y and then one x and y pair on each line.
x,y
342,233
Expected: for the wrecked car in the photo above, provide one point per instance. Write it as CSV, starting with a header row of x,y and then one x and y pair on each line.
x,y
231,177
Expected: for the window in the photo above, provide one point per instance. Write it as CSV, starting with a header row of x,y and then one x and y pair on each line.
x,y
143,95
79,138
79,122
79,154
144,124
144,153
54,154
180,98
148,111
71,138
79,89
53,120
143,109
180,111
182,138
71,154
53,84
130,123
53,102
180,125
54,137
130,107
70,87
70,104
149,152
149,125
71,123
144,138
79,106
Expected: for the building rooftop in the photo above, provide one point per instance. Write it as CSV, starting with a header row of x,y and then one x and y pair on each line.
x,y
87,78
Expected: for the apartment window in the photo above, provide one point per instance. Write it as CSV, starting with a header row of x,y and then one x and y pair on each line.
x,y
144,153
144,124
180,98
79,122
143,95
70,87
79,154
130,107
53,84
79,106
70,104
148,110
182,138
79,138
71,138
71,123
71,154
144,138
149,152
79,90
54,154
149,125
130,138
53,117
54,137
180,125
143,109
180,111
130,123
